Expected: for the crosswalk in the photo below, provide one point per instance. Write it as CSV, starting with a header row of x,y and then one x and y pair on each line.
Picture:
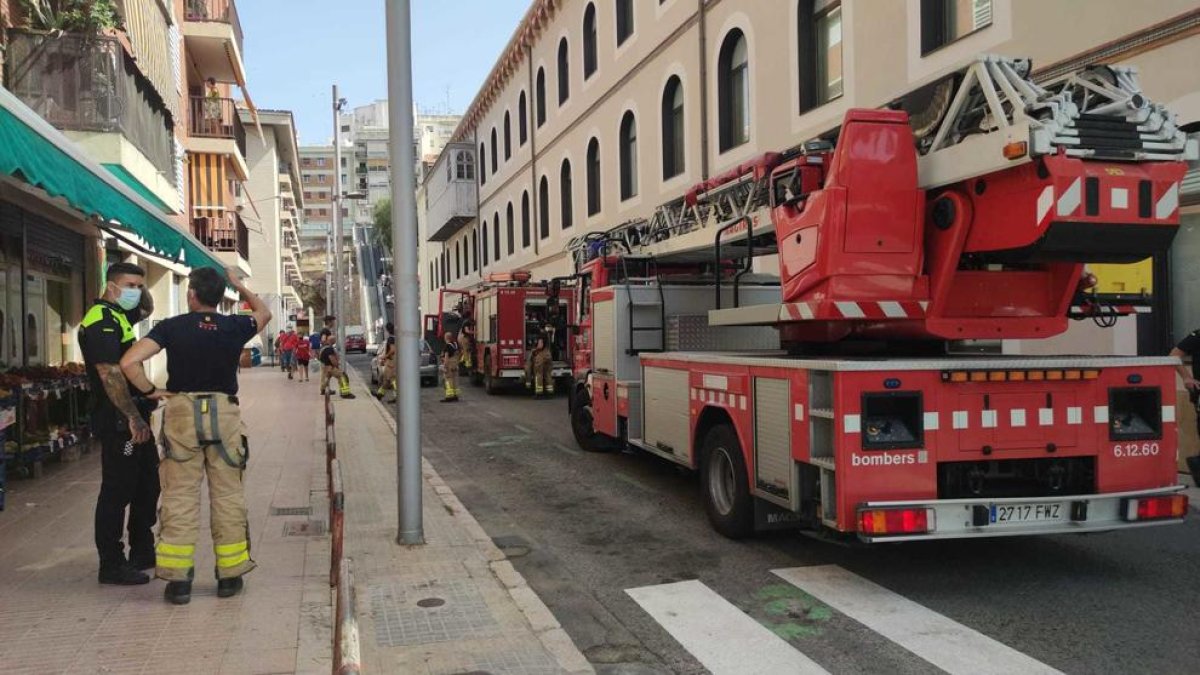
x,y
728,641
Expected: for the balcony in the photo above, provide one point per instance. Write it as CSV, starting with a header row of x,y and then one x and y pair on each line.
x,y
451,193
224,233
212,32
217,118
86,84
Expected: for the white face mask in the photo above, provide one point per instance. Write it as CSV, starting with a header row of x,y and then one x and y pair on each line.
x,y
129,298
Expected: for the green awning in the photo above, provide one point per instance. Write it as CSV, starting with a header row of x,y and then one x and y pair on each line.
x,y
34,152
136,185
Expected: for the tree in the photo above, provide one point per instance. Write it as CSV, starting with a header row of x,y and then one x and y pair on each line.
x,y
383,224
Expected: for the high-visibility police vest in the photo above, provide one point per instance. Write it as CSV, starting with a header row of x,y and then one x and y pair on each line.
x,y
97,313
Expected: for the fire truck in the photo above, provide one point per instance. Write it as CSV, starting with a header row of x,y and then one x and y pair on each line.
x,y
836,395
509,312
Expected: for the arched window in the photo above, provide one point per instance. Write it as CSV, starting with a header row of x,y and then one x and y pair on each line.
x,y
544,208
540,96
589,41
432,280
566,203
629,156
507,136
525,234
522,120
457,260
733,91
509,226
564,72
672,129
593,177
483,243
482,164
475,249
495,152
624,20
496,234
465,165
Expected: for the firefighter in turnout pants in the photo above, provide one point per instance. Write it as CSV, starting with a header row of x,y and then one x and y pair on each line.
x,y
203,431
450,356
539,368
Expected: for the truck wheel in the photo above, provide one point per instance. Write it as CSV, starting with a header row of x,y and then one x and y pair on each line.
x,y
490,385
582,425
725,484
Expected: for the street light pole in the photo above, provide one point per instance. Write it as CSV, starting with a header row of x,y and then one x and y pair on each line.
x,y
405,280
337,297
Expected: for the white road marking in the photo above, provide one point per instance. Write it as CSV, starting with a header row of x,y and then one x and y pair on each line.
x,y
527,430
939,640
723,638
563,448
495,414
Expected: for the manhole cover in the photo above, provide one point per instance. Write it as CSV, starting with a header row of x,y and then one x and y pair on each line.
x,y
304,528
291,510
431,602
401,618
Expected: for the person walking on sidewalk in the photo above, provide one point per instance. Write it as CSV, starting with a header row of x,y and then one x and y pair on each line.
x,y
1190,347
203,431
303,357
387,364
287,351
331,368
450,357
120,421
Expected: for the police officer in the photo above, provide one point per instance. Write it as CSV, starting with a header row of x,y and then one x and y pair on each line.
x,y
120,420
203,430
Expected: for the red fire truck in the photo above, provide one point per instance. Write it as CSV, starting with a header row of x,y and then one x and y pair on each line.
x,y
509,312
828,396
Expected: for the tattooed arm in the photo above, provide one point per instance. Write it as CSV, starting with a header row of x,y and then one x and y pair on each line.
x,y
117,389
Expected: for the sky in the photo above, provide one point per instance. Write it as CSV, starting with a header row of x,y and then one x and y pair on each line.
x,y
295,50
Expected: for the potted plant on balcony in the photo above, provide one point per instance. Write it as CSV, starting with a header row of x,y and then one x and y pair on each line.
x,y
89,17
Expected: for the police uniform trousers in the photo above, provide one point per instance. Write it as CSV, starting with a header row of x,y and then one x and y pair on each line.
x,y
128,479
203,434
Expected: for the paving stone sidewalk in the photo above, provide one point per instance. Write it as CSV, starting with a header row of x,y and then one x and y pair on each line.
x,y
453,605
55,618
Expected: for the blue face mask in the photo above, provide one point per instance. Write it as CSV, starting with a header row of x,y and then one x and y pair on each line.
x,y
129,298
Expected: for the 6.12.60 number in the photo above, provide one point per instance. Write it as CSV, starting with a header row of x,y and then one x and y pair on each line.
x,y
1135,450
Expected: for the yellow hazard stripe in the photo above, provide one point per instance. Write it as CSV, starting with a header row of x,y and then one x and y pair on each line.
x,y
233,561
230,549
173,563
186,550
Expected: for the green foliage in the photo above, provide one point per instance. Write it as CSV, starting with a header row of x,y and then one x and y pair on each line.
x,y
72,16
312,295
383,224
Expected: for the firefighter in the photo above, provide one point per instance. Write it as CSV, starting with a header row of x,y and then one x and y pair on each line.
x,y
120,421
466,343
331,368
1190,347
202,429
541,363
387,364
450,360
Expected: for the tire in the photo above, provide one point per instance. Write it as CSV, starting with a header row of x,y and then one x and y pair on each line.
x,y
490,385
725,483
582,426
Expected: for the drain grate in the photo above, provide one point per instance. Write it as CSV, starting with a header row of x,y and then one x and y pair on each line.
x,y
304,528
291,510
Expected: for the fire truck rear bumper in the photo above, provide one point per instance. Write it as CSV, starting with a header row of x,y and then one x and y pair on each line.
x,y
962,518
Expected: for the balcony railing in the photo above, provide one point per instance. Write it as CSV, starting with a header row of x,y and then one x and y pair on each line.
x,y
86,83
213,117
225,233
219,11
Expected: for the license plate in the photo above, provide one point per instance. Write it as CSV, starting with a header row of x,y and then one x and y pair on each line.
x,y
1025,513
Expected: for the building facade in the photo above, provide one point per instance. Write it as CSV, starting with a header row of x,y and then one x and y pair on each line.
x,y
598,111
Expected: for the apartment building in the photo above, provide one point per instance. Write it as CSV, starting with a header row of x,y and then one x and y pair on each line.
x,y
272,217
597,111
318,180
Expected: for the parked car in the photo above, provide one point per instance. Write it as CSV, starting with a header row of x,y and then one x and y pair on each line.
x,y
356,343
427,361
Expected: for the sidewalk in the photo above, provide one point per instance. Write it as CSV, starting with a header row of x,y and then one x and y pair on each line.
x,y
454,605
55,618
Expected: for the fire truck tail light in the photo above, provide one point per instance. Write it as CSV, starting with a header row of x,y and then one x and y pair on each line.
x,y
1156,508
896,521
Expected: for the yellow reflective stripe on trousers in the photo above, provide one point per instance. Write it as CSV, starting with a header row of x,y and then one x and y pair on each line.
x,y
179,550
233,561
230,549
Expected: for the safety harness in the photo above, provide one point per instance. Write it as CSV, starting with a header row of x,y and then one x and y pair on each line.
x,y
205,406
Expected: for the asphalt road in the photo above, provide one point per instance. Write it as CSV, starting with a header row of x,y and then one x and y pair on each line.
x,y
582,528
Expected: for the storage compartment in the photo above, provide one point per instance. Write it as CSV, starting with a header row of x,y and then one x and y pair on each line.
x,y
774,470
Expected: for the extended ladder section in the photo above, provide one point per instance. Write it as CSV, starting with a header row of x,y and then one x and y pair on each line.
x,y
991,114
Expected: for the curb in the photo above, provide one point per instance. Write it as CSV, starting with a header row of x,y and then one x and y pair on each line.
x,y
539,617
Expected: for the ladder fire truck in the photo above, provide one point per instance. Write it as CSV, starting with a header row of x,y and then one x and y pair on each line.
x,y
827,397
509,311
